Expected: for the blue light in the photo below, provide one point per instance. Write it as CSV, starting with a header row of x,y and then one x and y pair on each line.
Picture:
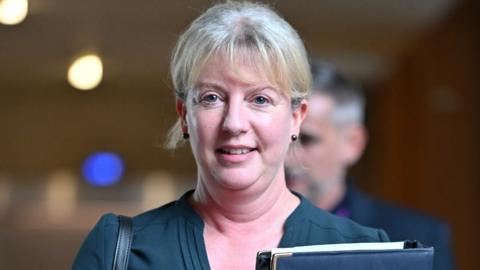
x,y
103,169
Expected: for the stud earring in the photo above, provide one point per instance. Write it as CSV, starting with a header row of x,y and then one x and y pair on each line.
x,y
294,137
186,135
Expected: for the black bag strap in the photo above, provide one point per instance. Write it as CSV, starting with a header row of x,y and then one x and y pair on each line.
x,y
124,242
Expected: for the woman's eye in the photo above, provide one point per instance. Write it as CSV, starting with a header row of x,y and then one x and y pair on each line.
x,y
210,98
260,100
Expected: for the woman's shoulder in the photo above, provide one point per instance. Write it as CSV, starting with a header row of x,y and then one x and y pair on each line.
x,y
326,227
158,216
170,213
98,247
166,214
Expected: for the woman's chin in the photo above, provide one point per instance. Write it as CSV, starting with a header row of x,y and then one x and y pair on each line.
x,y
237,180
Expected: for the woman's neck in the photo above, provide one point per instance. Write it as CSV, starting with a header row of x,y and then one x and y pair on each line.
x,y
231,212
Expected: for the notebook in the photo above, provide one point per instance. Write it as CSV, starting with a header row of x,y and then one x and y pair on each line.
x,y
403,255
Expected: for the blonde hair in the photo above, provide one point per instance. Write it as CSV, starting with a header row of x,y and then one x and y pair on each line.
x,y
237,29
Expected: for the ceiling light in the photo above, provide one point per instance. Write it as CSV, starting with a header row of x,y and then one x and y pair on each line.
x,y
13,11
86,72
103,169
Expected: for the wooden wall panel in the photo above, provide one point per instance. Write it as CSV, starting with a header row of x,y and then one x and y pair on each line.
x,y
424,124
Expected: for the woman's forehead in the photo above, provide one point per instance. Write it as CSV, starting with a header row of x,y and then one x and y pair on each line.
x,y
242,66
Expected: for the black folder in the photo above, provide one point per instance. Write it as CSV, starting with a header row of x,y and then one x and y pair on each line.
x,y
404,255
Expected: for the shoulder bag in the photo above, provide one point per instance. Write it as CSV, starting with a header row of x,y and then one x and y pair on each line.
x,y
124,242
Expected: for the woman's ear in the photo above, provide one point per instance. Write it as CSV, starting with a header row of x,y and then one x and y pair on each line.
x,y
182,114
299,113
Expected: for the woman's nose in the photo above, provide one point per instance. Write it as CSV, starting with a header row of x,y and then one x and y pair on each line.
x,y
235,119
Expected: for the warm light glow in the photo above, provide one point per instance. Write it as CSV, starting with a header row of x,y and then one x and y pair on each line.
x,y
5,195
13,11
158,188
61,195
86,72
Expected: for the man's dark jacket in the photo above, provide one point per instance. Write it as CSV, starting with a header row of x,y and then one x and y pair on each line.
x,y
399,223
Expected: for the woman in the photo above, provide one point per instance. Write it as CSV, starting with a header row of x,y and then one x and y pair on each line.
x,y
240,75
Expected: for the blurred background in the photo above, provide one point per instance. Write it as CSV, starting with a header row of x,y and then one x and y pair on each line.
x,y
68,155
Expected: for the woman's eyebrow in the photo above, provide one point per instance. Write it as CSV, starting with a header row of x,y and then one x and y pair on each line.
x,y
212,85
266,87
248,89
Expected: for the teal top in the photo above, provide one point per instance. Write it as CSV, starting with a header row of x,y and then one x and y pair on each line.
x,y
171,237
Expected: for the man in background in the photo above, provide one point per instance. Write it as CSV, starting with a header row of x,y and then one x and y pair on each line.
x,y
332,138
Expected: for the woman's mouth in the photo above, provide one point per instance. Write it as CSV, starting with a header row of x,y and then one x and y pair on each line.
x,y
231,155
235,151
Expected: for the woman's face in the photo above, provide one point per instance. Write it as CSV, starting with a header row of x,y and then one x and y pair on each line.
x,y
240,125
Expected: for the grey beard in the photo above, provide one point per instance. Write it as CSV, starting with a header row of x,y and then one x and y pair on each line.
x,y
316,190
